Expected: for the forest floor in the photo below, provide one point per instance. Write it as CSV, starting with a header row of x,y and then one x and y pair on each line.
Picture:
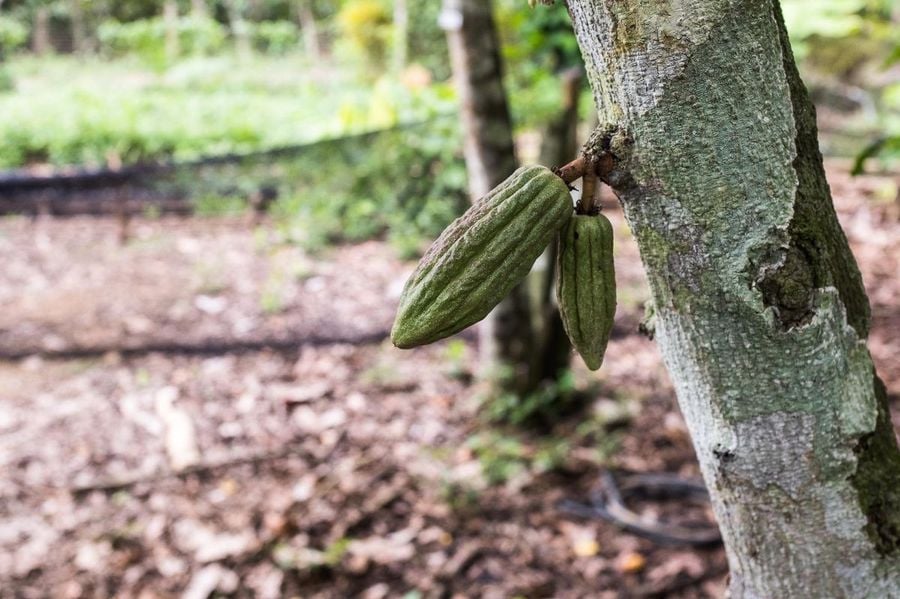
x,y
204,410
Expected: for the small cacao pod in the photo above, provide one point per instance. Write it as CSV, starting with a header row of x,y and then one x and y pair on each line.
x,y
586,285
481,256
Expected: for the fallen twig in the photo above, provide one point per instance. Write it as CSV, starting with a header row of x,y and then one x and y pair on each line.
x,y
607,503
196,348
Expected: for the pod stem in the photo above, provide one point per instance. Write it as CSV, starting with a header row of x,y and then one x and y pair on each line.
x,y
597,161
588,189
571,171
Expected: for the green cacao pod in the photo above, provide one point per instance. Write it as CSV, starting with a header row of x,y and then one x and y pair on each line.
x,y
586,285
481,256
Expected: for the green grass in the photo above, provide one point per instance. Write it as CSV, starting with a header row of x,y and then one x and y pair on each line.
x,y
66,110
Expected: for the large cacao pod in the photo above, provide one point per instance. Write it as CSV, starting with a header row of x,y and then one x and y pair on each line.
x,y
586,285
481,256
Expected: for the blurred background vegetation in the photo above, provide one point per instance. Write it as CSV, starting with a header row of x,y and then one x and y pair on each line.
x,y
94,83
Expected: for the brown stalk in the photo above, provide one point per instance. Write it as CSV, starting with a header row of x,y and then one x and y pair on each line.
x,y
572,171
588,189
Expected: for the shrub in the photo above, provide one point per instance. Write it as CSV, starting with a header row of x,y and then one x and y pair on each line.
x,y
366,29
146,38
7,84
407,184
13,35
275,37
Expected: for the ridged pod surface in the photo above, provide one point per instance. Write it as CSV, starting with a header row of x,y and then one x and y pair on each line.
x,y
586,287
481,256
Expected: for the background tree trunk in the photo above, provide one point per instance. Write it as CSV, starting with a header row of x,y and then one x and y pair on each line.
x,y
170,18
40,33
401,24
761,314
238,26
199,9
310,30
507,336
79,36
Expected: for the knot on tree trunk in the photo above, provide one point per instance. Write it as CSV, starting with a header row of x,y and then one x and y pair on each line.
x,y
788,287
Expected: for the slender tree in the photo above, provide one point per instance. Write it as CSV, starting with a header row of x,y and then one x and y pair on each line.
x,y
40,29
170,18
79,35
199,8
401,25
237,23
507,336
761,315
307,18
4,79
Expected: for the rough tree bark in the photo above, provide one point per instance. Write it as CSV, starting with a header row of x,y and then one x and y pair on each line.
x,y
507,337
761,316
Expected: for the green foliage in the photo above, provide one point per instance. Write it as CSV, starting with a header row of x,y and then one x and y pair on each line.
x,y
220,205
502,457
886,148
847,43
544,35
366,29
427,43
537,44
460,495
547,405
408,184
146,38
455,356
275,37
204,106
7,84
137,127
830,18
13,35
505,456
814,33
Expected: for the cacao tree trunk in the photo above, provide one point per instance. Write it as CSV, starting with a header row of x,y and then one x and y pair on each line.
x,y
507,335
761,314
